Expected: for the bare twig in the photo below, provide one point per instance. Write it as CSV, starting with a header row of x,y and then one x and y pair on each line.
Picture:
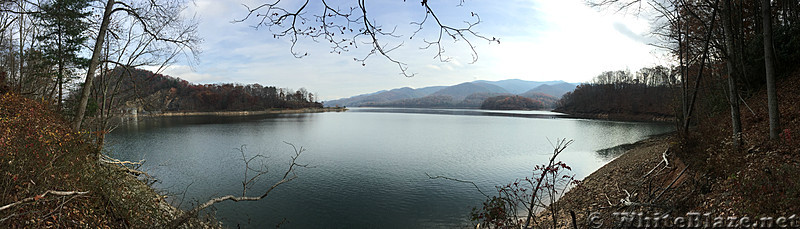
x,y
559,147
670,184
124,165
109,160
354,25
745,104
663,161
458,180
608,199
289,175
260,171
43,195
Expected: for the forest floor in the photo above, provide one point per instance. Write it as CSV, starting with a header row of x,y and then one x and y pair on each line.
x,y
706,174
52,177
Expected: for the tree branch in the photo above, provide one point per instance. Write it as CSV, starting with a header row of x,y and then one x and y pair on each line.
x,y
458,180
289,175
43,195
352,24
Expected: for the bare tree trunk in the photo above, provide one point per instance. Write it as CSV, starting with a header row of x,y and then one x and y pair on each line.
x,y
98,46
60,72
682,69
709,35
769,64
733,91
21,48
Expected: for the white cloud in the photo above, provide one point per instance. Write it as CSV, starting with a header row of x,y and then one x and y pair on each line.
x,y
577,44
540,40
186,72
434,67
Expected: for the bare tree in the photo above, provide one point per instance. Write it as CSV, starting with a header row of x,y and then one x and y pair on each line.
x,y
126,49
26,68
345,27
516,204
769,64
158,19
734,71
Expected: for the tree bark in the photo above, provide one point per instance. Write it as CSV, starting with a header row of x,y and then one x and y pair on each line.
x,y
60,73
21,48
709,34
98,46
733,91
769,65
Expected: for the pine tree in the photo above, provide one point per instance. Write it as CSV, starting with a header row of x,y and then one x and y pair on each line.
x,y
65,25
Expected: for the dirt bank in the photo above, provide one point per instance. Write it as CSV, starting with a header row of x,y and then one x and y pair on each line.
x,y
53,178
632,182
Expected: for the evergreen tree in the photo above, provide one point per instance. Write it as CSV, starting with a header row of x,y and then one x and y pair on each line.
x,y
65,25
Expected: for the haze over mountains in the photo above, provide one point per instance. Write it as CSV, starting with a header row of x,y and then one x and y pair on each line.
x,y
464,95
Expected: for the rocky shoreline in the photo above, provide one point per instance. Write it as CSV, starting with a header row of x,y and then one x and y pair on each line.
x,y
620,185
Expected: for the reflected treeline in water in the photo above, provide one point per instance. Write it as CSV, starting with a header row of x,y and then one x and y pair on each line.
x,y
501,113
369,164
613,152
137,123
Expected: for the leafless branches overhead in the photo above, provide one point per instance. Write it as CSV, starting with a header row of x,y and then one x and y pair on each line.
x,y
347,27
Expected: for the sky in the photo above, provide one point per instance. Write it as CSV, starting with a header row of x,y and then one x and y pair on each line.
x,y
540,40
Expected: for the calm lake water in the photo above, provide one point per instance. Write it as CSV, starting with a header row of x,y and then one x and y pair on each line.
x,y
369,163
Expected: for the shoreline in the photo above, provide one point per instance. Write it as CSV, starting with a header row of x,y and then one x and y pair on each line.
x,y
242,113
620,117
603,190
589,196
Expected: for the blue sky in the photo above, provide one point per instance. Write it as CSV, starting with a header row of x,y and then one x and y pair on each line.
x,y
540,40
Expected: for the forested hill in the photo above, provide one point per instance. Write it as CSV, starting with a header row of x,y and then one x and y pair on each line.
x,y
646,95
511,102
151,92
463,95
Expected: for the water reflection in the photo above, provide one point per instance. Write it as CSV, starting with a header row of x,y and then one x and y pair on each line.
x,y
370,163
141,123
502,113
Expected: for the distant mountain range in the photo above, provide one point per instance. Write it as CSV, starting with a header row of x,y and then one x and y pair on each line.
x,y
464,95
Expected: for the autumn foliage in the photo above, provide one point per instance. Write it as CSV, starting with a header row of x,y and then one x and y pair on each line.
x,y
161,93
511,102
40,152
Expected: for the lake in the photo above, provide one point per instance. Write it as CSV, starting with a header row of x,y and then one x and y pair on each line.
x,y
368,165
